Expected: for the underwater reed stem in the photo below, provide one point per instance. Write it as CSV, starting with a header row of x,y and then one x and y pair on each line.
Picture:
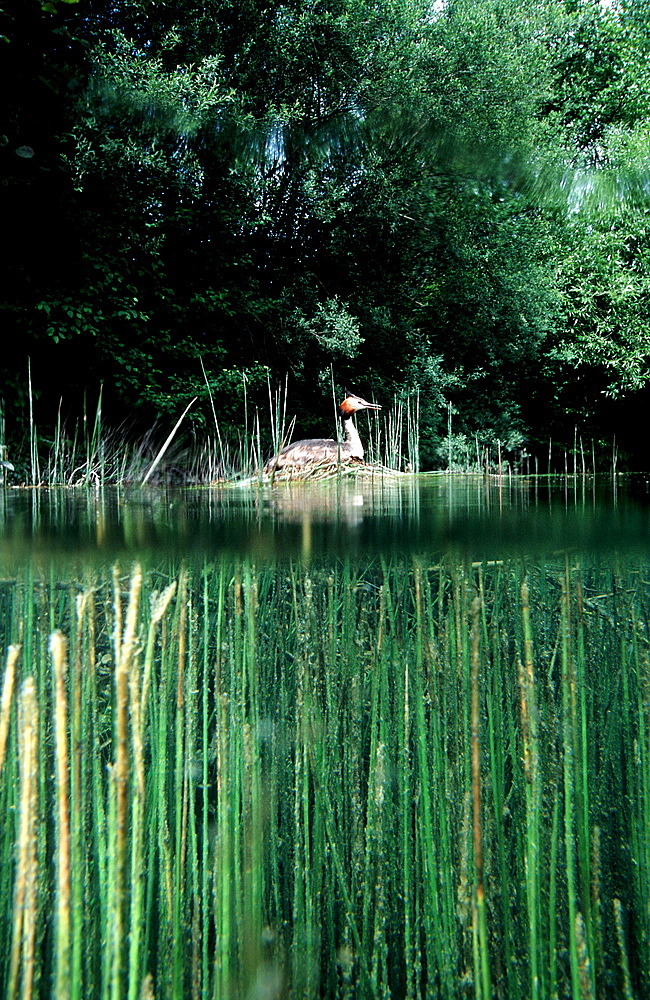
x,y
224,860
339,868
430,805
7,693
63,891
568,693
580,726
26,880
483,972
138,706
620,937
406,798
552,898
117,614
584,964
121,775
78,859
530,742
180,786
205,750
159,604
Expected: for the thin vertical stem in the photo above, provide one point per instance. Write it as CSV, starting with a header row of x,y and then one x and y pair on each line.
x,y
568,685
26,882
63,892
529,726
5,705
483,972
121,777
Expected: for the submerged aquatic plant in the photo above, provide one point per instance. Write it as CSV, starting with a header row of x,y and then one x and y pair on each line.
x,y
389,779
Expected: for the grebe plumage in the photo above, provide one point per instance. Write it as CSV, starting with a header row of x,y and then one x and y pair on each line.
x,y
326,450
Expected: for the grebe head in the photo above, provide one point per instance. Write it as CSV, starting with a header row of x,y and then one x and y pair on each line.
x,y
351,404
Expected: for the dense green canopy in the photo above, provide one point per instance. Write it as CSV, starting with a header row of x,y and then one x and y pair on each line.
x,y
396,196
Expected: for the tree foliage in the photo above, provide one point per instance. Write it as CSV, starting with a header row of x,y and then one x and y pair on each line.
x,y
451,201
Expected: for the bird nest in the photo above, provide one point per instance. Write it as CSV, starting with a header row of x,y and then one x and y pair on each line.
x,y
318,471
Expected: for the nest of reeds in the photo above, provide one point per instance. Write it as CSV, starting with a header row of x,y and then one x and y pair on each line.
x,y
318,471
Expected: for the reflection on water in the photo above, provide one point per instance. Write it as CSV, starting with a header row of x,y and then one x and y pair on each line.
x,y
430,513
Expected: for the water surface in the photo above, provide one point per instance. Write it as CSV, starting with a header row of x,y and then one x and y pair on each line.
x,y
484,517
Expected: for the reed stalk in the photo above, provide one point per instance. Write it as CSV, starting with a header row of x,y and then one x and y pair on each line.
x,y
223,859
138,704
413,433
159,602
624,963
568,696
168,440
56,473
125,649
580,728
552,898
94,449
180,783
22,969
500,736
79,728
438,941
205,788
33,435
530,743
482,970
7,694
192,764
63,891
406,798
96,777
584,962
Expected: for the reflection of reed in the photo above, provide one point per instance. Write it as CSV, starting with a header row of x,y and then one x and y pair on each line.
x,y
494,517
347,502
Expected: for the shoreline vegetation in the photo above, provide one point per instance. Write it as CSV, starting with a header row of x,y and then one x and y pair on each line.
x,y
93,455
353,780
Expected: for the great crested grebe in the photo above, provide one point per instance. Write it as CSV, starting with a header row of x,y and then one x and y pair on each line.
x,y
324,450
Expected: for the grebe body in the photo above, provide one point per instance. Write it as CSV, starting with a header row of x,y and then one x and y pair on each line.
x,y
313,451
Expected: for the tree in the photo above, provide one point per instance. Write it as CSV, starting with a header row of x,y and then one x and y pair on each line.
x,y
374,193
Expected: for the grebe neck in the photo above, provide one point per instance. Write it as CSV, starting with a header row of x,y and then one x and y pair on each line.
x,y
353,444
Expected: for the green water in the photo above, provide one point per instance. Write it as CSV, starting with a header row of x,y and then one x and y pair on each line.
x,y
375,739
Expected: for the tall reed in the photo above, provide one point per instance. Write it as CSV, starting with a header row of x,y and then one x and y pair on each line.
x,y
532,777
7,695
63,889
22,968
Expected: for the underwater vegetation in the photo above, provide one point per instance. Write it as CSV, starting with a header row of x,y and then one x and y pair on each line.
x,y
373,780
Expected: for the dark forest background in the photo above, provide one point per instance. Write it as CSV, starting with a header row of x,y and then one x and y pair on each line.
x,y
398,197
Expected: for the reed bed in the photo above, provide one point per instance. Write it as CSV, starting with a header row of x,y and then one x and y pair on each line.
x,y
357,781
90,454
